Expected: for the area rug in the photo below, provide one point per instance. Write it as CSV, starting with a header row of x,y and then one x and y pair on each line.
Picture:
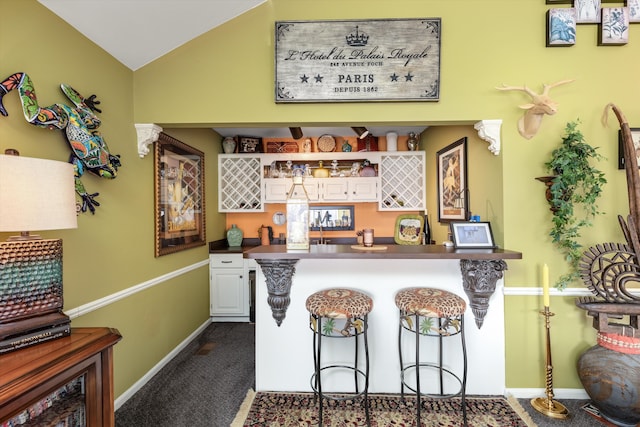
x,y
300,410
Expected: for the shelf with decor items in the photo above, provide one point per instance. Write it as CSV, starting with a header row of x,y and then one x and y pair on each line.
x,y
395,180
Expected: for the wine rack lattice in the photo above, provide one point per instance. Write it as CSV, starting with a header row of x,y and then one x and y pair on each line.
x,y
239,184
402,182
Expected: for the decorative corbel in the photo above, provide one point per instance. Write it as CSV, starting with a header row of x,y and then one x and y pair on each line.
x,y
489,130
148,133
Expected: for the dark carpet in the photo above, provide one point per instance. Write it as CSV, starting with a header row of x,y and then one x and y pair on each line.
x,y
206,383
203,385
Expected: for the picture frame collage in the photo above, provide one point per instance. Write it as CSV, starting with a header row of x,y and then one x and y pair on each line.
x,y
613,22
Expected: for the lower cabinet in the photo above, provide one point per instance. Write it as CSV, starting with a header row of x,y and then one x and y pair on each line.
x,y
65,381
229,288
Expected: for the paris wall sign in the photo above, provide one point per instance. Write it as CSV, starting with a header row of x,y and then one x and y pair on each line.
x,y
365,60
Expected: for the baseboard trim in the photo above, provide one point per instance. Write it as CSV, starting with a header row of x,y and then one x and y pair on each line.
x,y
122,399
558,393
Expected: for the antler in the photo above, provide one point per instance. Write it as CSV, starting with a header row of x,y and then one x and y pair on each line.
x,y
546,88
523,88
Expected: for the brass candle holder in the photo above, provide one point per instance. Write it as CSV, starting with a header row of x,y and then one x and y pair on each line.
x,y
546,405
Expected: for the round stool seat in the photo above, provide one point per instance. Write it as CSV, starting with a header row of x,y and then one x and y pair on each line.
x,y
430,302
339,303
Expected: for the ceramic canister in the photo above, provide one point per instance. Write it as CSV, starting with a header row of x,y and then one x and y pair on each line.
x,y
392,141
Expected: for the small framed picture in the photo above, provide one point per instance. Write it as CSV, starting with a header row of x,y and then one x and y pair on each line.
x,y
561,27
614,29
587,11
249,144
472,235
633,6
635,136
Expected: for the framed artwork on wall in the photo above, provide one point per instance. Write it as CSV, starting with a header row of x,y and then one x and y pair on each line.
x,y
561,27
179,196
614,28
249,144
587,11
331,218
635,135
453,195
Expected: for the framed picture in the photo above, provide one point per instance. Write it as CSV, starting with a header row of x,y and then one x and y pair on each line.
x,y
614,29
472,235
561,27
249,144
633,6
587,11
409,229
635,135
453,197
179,196
331,218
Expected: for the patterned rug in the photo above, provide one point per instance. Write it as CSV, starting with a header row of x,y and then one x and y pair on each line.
x,y
299,409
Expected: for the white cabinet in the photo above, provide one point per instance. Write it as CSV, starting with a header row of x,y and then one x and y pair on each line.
x,y
324,189
402,181
239,183
229,290
277,189
399,186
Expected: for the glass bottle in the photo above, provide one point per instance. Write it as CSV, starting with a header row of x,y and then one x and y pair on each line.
x,y
298,213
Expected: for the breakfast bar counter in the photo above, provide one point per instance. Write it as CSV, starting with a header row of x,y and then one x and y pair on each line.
x,y
284,358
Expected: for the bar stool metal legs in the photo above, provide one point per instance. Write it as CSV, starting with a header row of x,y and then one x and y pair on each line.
x,y
421,314
352,308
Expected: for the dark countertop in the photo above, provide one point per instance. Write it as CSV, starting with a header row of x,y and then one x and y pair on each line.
x,y
392,252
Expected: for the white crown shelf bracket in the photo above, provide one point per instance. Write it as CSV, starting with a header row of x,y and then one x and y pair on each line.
x,y
489,130
148,133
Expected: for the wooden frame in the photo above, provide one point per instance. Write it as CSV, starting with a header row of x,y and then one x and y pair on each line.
x,y
332,218
635,135
472,235
179,196
452,182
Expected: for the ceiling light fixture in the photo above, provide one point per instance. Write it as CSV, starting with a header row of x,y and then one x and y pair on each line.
x,y
362,132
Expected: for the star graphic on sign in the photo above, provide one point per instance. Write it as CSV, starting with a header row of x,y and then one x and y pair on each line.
x,y
304,78
408,77
394,77
318,78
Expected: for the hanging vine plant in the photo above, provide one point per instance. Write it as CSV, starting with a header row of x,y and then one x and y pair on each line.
x,y
572,192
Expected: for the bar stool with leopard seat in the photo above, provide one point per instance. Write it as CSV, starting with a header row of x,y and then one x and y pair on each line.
x,y
437,314
340,313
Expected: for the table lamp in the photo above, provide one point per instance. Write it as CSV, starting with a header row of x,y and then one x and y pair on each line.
x,y
35,194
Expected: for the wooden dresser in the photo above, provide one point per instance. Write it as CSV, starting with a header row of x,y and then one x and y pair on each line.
x,y
66,380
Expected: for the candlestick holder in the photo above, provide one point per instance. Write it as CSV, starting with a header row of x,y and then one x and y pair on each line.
x,y
546,405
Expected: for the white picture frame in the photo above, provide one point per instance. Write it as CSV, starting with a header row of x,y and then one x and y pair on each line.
x,y
587,11
467,234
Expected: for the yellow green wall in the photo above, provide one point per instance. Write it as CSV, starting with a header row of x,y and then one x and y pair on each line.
x,y
225,77
112,251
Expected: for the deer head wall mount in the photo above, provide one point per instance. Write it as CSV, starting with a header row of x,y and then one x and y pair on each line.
x,y
540,105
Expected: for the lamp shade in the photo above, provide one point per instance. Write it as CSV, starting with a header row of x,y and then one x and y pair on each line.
x,y
36,194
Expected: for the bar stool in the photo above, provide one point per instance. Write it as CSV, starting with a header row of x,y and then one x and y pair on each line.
x,y
419,307
324,308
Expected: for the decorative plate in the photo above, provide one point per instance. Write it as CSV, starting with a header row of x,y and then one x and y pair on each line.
x,y
409,229
326,143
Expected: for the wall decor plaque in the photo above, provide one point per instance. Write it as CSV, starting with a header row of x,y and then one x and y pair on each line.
x,y
357,60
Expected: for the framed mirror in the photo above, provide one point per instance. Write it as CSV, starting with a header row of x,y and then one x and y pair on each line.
x,y
179,196
332,218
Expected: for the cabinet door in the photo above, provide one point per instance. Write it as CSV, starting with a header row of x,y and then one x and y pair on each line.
x,y
363,189
335,189
228,293
240,185
402,182
277,189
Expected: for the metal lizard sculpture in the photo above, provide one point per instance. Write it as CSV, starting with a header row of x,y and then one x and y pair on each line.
x,y
89,151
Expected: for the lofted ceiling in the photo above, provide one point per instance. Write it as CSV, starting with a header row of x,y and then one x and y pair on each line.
x,y
137,32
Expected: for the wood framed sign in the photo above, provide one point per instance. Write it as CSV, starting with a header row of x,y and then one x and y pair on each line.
x,y
357,60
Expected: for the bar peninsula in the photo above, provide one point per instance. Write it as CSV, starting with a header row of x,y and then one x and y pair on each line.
x,y
284,358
